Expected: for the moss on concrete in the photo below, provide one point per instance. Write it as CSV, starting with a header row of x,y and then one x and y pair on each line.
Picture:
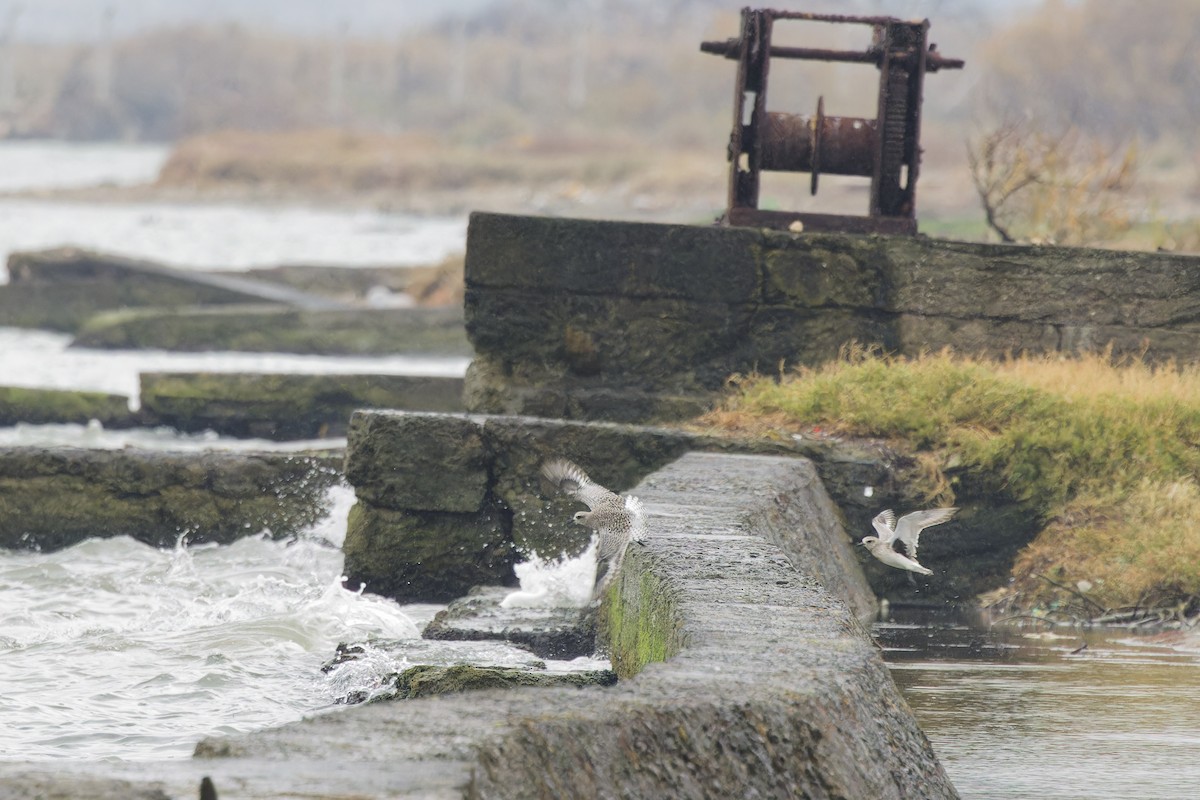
x,y
597,320
639,618
53,498
424,680
285,406
42,406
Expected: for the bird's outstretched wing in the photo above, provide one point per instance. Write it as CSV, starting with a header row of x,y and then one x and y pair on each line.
x,y
570,479
908,529
885,525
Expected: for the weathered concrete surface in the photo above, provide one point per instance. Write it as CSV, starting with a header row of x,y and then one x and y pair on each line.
x,y
449,502
770,687
281,329
284,406
54,497
57,786
426,556
43,406
634,321
61,288
341,283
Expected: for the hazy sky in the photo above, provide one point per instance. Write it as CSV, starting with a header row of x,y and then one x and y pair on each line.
x,y
66,20
83,19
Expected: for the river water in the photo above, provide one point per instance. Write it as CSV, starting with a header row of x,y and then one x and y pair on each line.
x,y
115,651
1060,714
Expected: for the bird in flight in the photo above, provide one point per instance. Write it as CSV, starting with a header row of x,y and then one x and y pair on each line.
x,y
616,519
907,531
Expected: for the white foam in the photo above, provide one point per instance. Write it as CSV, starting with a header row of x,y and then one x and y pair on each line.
x,y
555,582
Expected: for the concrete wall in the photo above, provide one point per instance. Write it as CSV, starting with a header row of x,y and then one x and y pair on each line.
x,y
771,688
632,321
450,502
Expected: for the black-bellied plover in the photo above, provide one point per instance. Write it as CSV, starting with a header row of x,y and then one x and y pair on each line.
x,y
908,531
617,519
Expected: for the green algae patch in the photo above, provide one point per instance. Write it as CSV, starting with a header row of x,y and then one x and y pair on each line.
x,y
425,680
42,406
1103,452
639,618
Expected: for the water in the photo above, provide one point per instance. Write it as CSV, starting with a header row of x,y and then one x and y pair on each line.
x,y
96,437
43,359
152,649
1020,714
32,165
555,582
213,236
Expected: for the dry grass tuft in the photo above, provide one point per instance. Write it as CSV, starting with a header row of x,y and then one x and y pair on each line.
x,y
1104,449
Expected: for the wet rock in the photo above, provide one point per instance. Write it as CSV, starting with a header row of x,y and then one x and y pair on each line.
x,y
358,667
426,556
281,407
54,497
448,502
557,633
417,462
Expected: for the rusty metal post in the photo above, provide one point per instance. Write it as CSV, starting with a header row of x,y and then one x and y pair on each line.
x,y
885,149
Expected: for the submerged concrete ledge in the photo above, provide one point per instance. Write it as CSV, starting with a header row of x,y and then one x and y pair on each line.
x,y
54,497
282,406
748,675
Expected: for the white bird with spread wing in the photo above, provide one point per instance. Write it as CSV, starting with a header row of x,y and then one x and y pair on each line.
x,y
908,531
617,520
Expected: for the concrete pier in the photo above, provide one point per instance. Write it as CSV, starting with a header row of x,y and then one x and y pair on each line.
x,y
747,674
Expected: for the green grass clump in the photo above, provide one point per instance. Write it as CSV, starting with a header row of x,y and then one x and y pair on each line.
x,y
1106,452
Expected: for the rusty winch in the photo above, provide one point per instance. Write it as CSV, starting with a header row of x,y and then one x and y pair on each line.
x,y
884,149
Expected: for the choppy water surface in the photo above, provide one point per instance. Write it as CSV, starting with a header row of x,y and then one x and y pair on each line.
x,y
114,649
1028,714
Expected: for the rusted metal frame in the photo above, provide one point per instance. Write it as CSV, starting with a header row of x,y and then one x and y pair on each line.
x,y
882,38
810,16
746,140
732,47
881,148
912,143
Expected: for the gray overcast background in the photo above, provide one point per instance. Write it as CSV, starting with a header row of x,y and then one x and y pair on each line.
x,y
76,20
